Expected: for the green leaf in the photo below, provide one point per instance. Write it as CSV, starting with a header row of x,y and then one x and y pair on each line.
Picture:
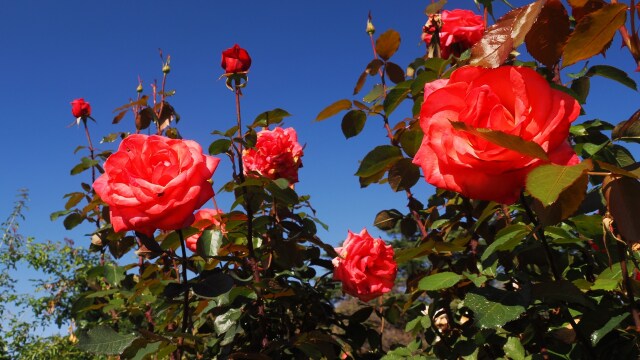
x,y
387,219
333,109
547,182
376,92
593,32
410,141
378,159
628,130
223,322
72,220
74,199
403,175
84,164
442,280
212,283
396,96
435,7
514,349
114,274
209,243
353,123
219,146
507,239
612,73
505,140
361,315
562,290
274,116
103,340
597,335
492,308
387,44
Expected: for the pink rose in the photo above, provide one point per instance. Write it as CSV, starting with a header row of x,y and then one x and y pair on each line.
x,y
460,30
277,154
514,100
204,218
153,182
80,108
235,60
365,267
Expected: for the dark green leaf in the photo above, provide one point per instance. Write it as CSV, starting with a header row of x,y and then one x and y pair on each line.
x,y
394,72
621,194
628,130
114,274
507,239
72,220
104,341
219,146
597,335
562,290
403,175
209,243
612,73
387,219
410,141
492,308
271,117
378,159
396,96
353,123
212,283
361,315
580,87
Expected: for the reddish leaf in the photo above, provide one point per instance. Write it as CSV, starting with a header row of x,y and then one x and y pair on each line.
x,y
582,8
549,33
119,117
360,83
621,194
594,32
144,118
333,109
394,72
387,44
501,38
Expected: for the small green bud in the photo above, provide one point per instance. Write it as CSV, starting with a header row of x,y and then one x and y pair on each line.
x,y
370,28
139,88
166,68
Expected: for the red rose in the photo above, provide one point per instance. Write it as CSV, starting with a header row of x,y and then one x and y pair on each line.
x,y
204,218
514,100
460,30
153,182
365,267
277,154
80,108
235,60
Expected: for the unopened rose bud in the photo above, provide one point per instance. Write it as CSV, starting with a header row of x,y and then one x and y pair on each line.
x,y
166,68
139,88
235,60
370,28
80,108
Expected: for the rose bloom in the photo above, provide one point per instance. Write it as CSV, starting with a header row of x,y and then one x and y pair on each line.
x,y
235,60
365,266
204,218
513,100
277,154
80,108
460,30
153,182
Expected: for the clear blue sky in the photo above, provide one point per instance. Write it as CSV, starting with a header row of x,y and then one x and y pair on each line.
x,y
306,54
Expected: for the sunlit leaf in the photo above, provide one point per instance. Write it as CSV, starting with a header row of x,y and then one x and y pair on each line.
x,y
628,130
505,140
593,32
547,182
514,349
507,239
270,117
612,73
441,280
219,146
613,322
104,340
376,92
387,44
396,96
549,33
333,109
209,243
492,308
434,7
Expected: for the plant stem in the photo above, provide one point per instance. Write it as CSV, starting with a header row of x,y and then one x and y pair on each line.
x,y
185,314
622,251
557,275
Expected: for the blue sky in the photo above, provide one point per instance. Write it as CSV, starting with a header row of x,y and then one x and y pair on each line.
x,y
305,56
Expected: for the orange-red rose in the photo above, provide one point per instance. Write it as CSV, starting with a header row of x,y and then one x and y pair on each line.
x,y
204,218
235,60
80,108
460,30
514,100
153,182
365,266
277,154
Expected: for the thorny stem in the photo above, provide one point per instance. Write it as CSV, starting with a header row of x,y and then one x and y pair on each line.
x,y
557,275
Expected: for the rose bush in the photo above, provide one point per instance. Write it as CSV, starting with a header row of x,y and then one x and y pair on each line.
x,y
277,154
235,60
513,100
80,108
153,182
365,266
204,218
460,30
